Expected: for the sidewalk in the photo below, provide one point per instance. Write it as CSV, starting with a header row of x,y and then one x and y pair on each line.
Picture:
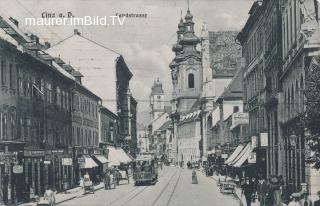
x,y
68,195
238,191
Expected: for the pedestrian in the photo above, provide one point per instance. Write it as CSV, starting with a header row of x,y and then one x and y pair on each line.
x,y
305,201
295,199
194,177
317,202
262,190
247,191
276,193
49,194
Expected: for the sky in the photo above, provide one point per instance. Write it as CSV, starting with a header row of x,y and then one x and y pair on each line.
x,y
145,43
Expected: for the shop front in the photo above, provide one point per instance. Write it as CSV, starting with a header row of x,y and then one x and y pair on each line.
x,y
11,172
58,169
85,164
34,172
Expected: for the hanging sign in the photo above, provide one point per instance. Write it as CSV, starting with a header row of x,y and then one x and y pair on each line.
x,y
17,169
66,161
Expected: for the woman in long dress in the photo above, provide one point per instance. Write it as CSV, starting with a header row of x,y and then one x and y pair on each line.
x,y
194,177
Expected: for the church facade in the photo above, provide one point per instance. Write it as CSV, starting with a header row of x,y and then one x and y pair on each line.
x,y
198,78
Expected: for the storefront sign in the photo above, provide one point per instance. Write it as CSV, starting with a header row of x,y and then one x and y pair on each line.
x,y
97,152
47,162
252,159
34,153
224,156
66,161
239,118
17,169
57,151
264,139
81,160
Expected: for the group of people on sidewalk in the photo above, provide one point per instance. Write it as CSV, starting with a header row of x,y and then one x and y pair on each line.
x,y
270,192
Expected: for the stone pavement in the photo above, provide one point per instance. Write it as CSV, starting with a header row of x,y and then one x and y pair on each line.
x,y
68,195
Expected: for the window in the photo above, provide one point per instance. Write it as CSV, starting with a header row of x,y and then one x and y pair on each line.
x,y
11,83
3,72
191,81
235,109
58,96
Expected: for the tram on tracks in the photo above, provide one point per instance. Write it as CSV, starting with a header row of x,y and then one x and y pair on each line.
x,y
145,170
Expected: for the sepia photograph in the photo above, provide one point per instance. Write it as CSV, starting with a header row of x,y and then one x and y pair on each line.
x,y
159,103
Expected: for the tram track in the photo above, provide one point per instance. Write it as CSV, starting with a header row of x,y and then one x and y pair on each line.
x,y
166,186
139,190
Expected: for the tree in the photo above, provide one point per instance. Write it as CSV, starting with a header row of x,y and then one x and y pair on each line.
x,y
312,116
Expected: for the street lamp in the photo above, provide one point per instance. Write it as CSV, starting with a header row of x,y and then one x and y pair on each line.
x,y
293,139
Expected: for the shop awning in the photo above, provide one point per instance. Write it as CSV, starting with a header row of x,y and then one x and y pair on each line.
x,y
234,155
101,159
243,156
125,156
117,156
87,162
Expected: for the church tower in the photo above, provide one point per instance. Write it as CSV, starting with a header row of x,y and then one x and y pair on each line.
x,y
156,100
186,68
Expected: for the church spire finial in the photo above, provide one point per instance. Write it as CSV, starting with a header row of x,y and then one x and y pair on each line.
x,y
188,5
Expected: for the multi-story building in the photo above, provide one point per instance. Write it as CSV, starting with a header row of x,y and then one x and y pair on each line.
x,y
300,42
108,127
105,73
35,116
133,134
85,124
272,69
252,39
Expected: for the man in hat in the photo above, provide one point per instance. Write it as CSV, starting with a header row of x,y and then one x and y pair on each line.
x,y
305,201
295,199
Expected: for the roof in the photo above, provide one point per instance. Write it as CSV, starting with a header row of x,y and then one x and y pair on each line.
x,y
165,126
235,88
225,53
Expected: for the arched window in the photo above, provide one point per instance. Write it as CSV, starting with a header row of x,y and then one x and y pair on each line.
x,y
191,80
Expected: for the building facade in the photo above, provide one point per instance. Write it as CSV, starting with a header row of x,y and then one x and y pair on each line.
x,y
252,39
35,116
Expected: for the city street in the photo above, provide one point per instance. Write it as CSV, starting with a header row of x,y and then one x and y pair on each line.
x,y
173,188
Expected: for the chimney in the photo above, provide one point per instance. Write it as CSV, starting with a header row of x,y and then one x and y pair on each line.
x,y
14,21
76,32
34,38
47,45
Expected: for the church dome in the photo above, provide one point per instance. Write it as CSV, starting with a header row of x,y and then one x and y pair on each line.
x,y
176,47
157,87
188,16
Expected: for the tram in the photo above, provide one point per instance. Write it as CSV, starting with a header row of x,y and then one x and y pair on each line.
x,y
145,170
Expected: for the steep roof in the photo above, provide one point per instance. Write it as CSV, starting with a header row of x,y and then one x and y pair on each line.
x,y
165,126
235,88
